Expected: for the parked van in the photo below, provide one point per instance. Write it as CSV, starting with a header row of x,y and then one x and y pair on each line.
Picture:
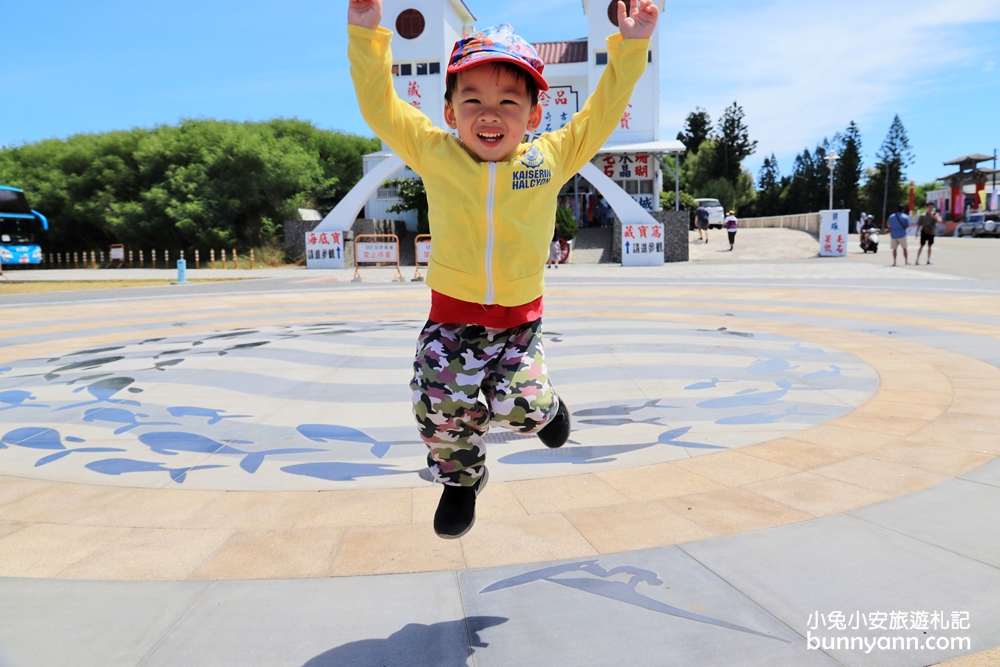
x,y
716,214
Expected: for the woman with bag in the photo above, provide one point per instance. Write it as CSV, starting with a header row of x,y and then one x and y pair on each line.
x,y
732,224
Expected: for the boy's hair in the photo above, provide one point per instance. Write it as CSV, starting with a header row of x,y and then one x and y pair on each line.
x,y
451,84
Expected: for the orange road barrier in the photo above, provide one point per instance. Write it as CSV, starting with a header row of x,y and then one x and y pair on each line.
x,y
251,258
152,258
166,259
197,259
376,249
422,253
235,263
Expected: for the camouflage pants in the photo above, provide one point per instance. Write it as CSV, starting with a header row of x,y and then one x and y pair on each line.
x,y
454,363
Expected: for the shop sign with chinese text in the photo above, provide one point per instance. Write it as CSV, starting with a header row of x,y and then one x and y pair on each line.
x,y
642,244
324,250
833,227
377,252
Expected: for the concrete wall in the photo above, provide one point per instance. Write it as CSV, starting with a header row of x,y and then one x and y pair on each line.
x,y
675,236
295,233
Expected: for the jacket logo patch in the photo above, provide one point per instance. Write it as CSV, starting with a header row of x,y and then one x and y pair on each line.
x,y
533,159
529,178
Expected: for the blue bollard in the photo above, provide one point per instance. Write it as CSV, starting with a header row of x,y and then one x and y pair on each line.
x,y
181,271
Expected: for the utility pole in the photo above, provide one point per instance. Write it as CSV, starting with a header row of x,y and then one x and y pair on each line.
x,y
831,159
885,195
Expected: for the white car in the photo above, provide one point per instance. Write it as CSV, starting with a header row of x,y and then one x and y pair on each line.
x,y
716,214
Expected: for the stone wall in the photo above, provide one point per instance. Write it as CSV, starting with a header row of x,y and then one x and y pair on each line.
x,y
295,238
675,236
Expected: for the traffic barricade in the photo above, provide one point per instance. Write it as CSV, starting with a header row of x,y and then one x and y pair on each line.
x,y
376,250
421,253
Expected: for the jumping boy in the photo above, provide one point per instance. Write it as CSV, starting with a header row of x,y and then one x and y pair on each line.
x,y
491,203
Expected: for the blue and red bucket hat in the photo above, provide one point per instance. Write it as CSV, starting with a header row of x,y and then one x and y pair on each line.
x,y
497,44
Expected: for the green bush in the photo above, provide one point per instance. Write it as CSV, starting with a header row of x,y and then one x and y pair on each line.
x,y
687,201
566,223
203,183
412,197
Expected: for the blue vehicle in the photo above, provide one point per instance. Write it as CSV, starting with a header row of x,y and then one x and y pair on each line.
x,y
20,228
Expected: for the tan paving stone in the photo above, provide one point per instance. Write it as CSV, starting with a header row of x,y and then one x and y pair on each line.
x,y
989,658
251,510
394,549
565,494
731,511
63,503
528,539
150,508
879,424
272,554
732,468
496,500
815,494
954,437
148,554
984,408
44,549
842,437
945,460
882,476
381,507
635,526
15,488
662,480
886,408
796,453
928,398
8,527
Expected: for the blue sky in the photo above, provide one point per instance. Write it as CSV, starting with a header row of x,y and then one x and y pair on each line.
x,y
800,70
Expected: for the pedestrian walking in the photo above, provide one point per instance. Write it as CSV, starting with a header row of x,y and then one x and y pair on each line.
x,y
701,219
898,224
732,224
928,230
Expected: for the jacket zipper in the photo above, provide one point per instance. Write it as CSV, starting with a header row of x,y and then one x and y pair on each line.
x,y
491,191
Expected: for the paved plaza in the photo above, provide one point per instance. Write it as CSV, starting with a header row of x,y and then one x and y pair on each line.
x,y
228,473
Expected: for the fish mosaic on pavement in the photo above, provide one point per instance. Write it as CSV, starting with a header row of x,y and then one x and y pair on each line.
x,y
327,405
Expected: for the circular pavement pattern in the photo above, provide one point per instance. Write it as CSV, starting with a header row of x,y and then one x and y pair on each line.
x,y
318,406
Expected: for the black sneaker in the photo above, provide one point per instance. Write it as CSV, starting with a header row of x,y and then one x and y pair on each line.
x,y
456,512
556,432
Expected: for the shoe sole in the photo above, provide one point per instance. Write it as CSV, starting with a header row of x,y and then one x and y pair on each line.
x,y
569,421
482,485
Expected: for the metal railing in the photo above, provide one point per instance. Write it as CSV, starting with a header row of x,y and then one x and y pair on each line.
x,y
807,222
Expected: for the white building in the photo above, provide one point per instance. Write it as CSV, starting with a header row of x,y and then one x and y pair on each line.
x,y
425,34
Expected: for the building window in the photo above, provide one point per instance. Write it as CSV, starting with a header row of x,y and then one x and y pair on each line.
x,y
406,69
649,56
395,70
410,24
613,10
421,69
646,187
387,192
601,58
434,68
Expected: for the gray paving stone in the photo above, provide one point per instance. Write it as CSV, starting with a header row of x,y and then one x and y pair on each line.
x,y
959,515
844,564
45,623
657,607
985,474
414,620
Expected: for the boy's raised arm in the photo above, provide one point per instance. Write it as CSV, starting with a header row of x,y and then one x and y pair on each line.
x,y
583,137
364,13
641,22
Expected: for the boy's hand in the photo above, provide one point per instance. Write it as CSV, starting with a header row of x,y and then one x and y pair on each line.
x,y
365,13
638,25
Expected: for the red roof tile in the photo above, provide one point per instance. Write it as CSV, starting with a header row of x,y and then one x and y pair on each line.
x,y
553,53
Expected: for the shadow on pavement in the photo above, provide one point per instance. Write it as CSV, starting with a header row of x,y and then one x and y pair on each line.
x,y
448,644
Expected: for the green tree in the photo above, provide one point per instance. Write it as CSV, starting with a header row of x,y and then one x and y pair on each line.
x,y
722,190
769,184
412,197
699,167
566,222
697,128
885,186
847,173
733,144
667,201
202,183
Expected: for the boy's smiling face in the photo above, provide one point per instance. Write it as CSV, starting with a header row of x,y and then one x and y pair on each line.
x,y
492,110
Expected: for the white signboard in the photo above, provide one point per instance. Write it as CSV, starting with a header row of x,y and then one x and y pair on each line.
x,y
117,254
833,228
423,253
377,253
324,250
642,244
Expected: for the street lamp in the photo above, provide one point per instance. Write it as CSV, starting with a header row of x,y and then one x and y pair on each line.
x,y
831,158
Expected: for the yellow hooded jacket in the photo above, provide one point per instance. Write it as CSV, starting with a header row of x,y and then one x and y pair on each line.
x,y
491,222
